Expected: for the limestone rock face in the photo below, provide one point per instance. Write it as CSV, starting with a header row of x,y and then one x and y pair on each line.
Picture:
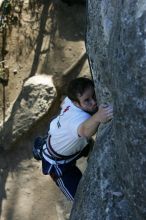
x,y
114,184
34,101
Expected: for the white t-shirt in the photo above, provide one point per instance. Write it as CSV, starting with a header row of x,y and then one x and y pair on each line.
x,y
63,129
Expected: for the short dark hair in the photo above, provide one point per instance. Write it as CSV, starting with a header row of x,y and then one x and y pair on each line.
x,y
78,86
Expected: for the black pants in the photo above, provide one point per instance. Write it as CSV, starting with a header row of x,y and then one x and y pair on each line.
x,y
67,176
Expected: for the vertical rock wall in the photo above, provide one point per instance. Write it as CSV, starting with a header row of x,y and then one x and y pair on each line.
x,y
114,184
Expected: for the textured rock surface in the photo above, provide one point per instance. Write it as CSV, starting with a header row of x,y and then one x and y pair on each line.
x,y
114,184
34,101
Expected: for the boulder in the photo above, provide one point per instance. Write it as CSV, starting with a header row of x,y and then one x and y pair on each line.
x,y
31,105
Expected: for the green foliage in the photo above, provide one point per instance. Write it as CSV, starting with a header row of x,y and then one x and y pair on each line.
x,y
6,7
7,17
5,12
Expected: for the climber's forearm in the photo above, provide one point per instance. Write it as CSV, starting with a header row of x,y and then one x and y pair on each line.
x,y
89,127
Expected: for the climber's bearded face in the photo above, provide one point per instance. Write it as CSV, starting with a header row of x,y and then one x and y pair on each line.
x,y
87,101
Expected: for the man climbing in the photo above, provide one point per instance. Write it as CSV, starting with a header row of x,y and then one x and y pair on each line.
x,y
70,133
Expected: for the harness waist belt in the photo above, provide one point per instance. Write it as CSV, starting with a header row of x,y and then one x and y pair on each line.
x,y
55,155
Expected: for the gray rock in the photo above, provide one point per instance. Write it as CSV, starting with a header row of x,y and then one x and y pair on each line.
x,y
117,55
33,102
